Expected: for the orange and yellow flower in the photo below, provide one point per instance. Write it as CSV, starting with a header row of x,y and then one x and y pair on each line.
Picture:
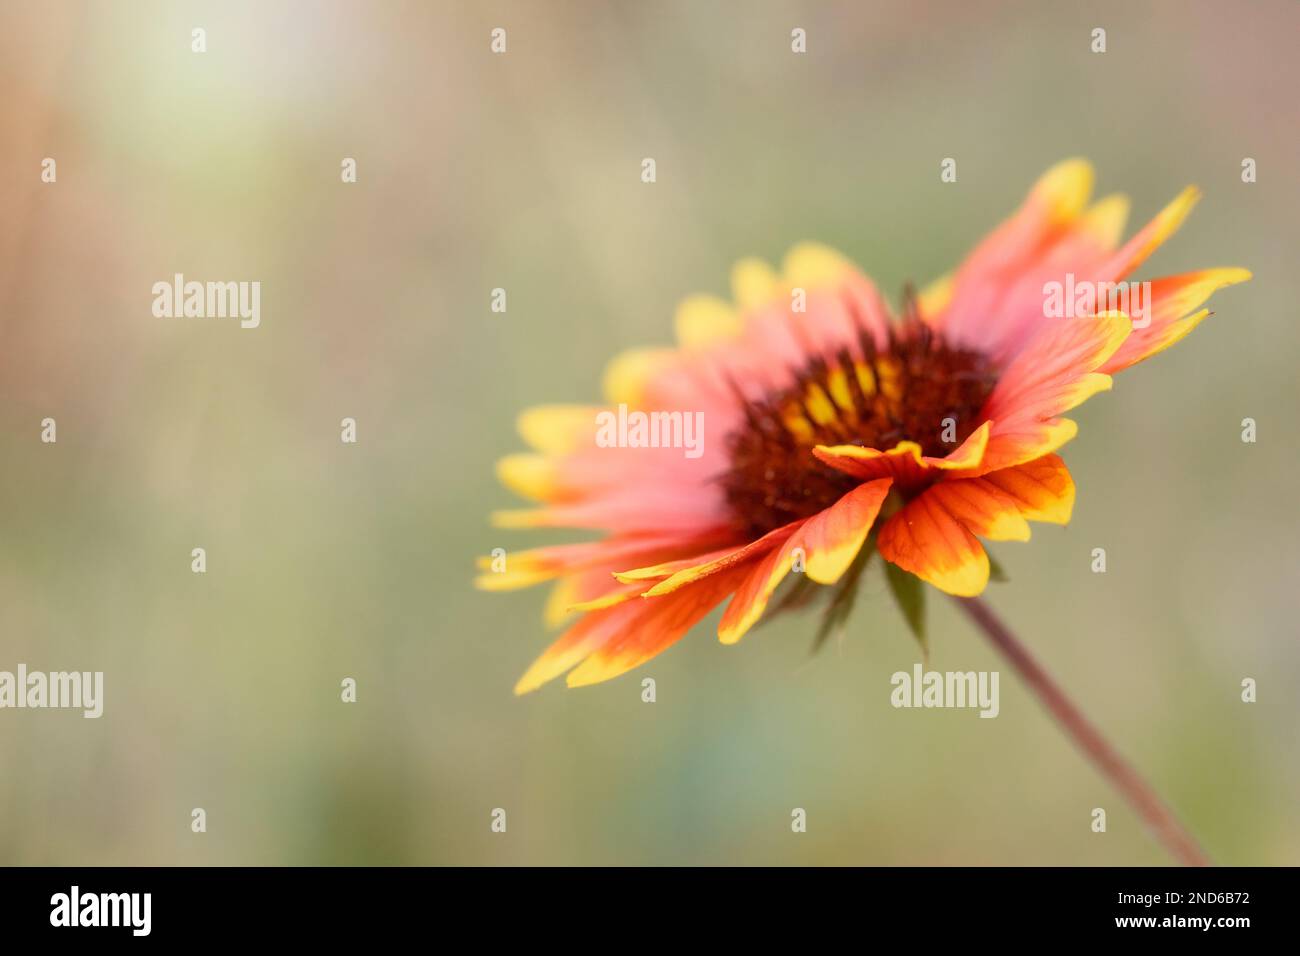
x,y
836,425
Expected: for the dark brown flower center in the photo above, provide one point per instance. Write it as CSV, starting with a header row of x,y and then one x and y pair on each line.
x,y
917,389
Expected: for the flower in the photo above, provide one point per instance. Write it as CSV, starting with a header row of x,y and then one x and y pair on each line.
x,y
836,425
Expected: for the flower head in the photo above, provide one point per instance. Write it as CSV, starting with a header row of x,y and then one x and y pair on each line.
x,y
837,425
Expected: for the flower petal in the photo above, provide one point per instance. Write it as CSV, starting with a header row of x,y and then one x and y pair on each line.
x,y
529,475
653,625
567,591
616,595
1042,489
703,320
1077,255
811,265
754,283
558,429
980,282
966,455
832,538
575,644
1054,373
830,541
677,574
1153,235
635,509
1104,220
1023,440
750,599
904,462
629,372
982,507
1172,314
528,567
934,298
927,540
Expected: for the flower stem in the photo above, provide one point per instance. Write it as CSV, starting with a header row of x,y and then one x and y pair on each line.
x,y
1158,817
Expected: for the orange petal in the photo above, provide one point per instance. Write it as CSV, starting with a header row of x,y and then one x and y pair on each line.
x,y
571,589
524,568
1171,313
1055,371
982,507
678,573
755,590
617,595
1080,250
832,538
1053,206
1053,374
904,462
830,541
966,455
1023,440
927,540
1042,489
575,644
653,626
1153,235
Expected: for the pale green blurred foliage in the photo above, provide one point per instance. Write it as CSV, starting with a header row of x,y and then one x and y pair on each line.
x,y
521,171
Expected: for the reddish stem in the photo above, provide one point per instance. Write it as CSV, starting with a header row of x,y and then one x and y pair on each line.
x,y
1158,817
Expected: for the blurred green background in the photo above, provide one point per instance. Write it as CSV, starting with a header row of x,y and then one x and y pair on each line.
x,y
475,171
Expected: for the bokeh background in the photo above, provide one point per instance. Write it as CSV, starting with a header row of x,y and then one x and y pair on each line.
x,y
327,560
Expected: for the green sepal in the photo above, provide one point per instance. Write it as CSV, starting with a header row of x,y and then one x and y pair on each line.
x,y
846,592
909,592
